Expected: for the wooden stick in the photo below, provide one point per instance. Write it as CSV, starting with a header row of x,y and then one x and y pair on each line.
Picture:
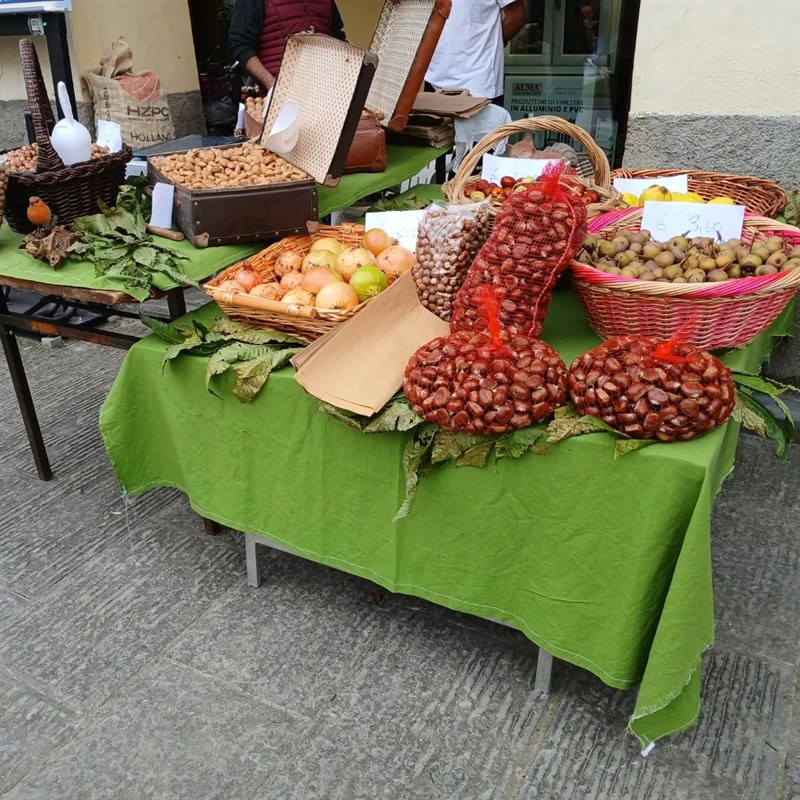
x,y
165,233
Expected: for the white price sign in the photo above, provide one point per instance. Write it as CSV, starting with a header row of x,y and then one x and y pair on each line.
x,y
400,225
497,167
675,183
665,220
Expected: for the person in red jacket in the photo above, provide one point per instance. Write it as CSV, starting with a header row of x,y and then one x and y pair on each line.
x,y
259,30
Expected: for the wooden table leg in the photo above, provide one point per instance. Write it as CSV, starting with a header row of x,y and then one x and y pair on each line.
x,y
24,398
210,527
253,567
176,303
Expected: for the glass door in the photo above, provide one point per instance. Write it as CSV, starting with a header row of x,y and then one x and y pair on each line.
x,y
583,33
532,46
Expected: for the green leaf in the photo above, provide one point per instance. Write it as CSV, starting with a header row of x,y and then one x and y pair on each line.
x,y
146,256
416,464
168,332
599,425
176,275
762,384
397,415
450,445
252,375
247,333
516,444
624,446
775,430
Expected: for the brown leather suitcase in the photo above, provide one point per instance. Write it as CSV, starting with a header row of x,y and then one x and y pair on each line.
x,y
368,151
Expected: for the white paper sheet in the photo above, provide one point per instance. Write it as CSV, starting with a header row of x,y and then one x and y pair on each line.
x,y
496,167
163,195
665,220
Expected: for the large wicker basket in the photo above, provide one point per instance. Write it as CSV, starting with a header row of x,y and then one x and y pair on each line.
x,y
70,192
709,315
759,196
306,322
457,190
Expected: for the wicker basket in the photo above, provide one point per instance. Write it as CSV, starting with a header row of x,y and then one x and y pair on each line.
x,y
457,190
759,196
71,192
307,322
708,315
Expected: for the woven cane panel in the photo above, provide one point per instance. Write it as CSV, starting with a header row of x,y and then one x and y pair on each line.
x,y
320,74
400,31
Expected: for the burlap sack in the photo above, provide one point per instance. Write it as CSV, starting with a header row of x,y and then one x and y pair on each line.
x,y
133,100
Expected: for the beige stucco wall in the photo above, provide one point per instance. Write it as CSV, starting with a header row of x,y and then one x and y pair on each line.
x,y
159,31
360,18
717,57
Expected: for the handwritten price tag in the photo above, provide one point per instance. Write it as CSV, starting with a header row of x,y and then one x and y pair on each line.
x,y
675,183
496,167
665,220
400,225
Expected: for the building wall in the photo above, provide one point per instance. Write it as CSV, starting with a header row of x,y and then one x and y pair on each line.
x,y
716,85
158,31
360,19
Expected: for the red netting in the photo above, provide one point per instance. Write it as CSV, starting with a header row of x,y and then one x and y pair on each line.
x,y
485,383
652,390
536,234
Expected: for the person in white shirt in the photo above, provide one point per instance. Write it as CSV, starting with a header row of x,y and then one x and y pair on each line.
x,y
470,51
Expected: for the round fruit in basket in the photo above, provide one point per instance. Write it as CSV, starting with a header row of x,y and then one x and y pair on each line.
x,y
349,260
319,258
636,255
328,243
337,296
368,282
652,390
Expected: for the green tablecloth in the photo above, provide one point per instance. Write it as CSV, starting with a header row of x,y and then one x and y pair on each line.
x,y
604,563
404,162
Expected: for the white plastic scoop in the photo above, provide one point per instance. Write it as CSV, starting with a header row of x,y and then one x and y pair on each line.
x,y
71,140
286,130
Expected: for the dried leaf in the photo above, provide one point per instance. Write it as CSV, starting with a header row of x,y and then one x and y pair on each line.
x,y
252,375
397,415
451,445
517,443
624,446
247,333
567,427
416,464
749,418
476,456
345,417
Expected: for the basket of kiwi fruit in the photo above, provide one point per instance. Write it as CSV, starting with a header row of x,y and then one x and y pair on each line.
x,y
718,293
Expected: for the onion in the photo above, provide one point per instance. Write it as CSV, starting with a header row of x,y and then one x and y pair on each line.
x,y
291,280
336,296
231,286
269,291
327,243
395,261
298,297
288,261
350,260
247,277
319,258
316,278
376,241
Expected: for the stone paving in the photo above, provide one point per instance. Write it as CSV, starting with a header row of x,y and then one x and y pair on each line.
x,y
135,663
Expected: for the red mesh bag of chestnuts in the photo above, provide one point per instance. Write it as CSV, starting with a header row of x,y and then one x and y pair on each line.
x,y
485,382
537,232
652,390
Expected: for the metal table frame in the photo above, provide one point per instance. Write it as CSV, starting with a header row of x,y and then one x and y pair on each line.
x,y
544,662
92,300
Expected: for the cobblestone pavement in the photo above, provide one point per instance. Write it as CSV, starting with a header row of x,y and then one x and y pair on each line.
x,y
135,663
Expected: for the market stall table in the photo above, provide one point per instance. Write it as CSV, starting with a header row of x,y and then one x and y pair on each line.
x,y
604,563
77,281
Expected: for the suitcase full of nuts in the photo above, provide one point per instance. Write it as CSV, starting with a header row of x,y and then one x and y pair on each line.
x,y
219,204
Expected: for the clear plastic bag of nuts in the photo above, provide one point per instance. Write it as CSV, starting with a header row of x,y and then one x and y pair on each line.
x,y
448,240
